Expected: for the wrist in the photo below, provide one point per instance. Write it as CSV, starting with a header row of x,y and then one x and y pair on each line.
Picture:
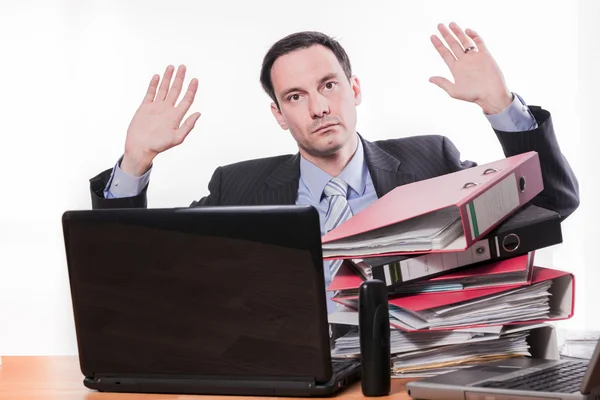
x,y
496,104
136,164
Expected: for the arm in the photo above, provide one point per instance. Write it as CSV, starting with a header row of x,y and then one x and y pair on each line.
x,y
479,80
520,129
115,188
155,127
561,188
517,117
131,190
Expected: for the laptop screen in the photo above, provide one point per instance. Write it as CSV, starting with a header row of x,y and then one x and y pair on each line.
x,y
591,379
226,292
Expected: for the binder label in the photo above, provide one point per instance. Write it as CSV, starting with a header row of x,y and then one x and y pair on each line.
x,y
473,221
487,209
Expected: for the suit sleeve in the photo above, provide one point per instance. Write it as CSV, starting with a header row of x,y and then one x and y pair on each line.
x,y
561,188
99,182
97,186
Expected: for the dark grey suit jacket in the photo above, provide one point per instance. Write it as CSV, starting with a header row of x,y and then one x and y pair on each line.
x,y
391,163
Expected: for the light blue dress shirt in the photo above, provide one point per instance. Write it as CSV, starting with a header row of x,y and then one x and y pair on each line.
x,y
361,193
515,118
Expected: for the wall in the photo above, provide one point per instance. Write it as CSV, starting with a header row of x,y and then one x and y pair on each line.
x,y
75,72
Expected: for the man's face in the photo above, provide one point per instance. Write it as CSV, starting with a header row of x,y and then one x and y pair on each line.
x,y
317,103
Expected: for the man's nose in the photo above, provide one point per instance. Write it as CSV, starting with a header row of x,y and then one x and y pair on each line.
x,y
319,107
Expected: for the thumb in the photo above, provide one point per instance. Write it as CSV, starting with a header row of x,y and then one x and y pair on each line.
x,y
187,127
443,83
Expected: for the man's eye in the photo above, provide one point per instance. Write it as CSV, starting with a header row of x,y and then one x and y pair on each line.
x,y
294,97
329,85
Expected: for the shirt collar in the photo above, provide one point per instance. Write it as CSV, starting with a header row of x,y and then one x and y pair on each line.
x,y
354,174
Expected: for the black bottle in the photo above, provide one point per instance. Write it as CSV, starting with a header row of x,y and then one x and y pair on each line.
x,y
374,331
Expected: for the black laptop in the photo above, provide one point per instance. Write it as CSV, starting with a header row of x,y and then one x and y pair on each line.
x,y
209,300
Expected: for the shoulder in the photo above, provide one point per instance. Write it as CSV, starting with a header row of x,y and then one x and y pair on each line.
x,y
253,169
428,145
424,156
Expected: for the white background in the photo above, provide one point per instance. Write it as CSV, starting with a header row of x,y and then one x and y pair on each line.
x,y
73,73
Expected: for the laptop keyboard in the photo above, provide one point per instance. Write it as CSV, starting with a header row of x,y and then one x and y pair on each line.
x,y
563,378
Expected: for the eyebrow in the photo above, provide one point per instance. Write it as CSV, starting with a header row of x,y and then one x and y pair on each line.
x,y
321,81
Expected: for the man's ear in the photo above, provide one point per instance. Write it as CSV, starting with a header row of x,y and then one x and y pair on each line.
x,y
355,84
278,116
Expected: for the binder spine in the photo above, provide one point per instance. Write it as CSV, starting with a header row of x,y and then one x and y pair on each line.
x,y
492,206
489,208
390,273
467,224
527,238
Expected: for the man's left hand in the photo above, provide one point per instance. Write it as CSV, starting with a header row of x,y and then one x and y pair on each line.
x,y
477,77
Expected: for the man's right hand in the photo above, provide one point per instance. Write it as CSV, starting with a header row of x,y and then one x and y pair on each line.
x,y
156,125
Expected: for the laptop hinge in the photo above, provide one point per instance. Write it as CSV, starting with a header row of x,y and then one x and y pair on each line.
x,y
208,379
274,387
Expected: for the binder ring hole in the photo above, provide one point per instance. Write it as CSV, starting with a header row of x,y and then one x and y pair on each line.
x,y
511,242
489,171
469,184
522,184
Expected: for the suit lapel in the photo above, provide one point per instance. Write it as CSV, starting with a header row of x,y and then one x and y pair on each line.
x,y
384,169
281,186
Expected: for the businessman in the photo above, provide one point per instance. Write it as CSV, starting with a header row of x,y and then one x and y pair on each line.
x,y
314,95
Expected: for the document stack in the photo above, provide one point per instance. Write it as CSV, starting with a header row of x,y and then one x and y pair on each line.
x,y
579,344
457,253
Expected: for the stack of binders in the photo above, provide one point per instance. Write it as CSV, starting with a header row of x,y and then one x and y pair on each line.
x,y
457,255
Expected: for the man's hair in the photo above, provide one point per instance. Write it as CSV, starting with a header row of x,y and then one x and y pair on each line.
x,y
296,41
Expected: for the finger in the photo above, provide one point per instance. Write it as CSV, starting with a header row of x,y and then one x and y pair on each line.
x,y
151,92
177,84
188,98
456,47
477,39
186,127
443,83
465,41
164,85
446,54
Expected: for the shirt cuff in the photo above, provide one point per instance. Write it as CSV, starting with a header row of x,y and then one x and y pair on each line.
x,y
515,118
121,184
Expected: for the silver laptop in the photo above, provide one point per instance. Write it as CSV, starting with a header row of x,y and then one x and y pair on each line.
x,y
516,378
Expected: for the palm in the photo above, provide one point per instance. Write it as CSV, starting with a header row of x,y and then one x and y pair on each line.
x,y
156,125
469,74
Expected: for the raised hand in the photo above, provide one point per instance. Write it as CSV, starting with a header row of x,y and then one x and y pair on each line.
x,y
477,77
156,125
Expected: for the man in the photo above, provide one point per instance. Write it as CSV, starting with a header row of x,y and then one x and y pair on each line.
x,y
314,95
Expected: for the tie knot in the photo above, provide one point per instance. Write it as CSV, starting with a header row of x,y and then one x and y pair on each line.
x,y
336,187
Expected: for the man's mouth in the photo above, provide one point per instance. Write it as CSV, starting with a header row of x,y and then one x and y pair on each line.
x,y
323,127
